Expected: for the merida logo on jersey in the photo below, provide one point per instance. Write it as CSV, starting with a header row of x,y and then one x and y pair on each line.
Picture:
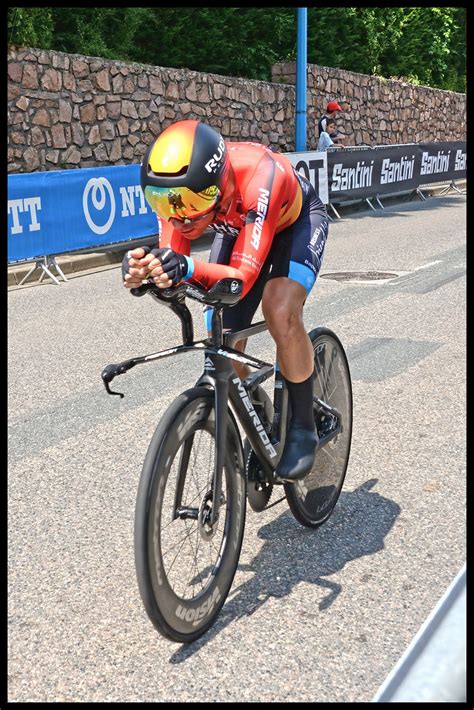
x,y
351,178
396,171
262,207
212,164
434,163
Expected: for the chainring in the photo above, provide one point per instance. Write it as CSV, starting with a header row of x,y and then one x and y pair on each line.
x,y
259,489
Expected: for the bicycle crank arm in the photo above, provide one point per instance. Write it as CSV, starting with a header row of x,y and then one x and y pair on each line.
x,y
329,429
256,378
320,404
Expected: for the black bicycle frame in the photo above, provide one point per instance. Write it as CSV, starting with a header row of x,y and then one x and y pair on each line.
x,y
227,385
220,374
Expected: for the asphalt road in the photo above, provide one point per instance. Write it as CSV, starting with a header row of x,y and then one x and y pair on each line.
x,y
312,616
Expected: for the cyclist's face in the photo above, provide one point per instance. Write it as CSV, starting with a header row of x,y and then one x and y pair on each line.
x,y
195,228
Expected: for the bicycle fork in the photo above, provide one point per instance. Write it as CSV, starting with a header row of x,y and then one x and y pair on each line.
x,y
221,394
220,384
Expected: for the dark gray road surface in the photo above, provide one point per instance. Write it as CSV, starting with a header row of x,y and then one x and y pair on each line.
x,y
313,615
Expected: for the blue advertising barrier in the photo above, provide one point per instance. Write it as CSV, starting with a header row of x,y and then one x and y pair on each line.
x,y
51,213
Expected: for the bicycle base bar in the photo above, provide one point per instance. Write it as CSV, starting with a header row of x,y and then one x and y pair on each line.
x,y
111,371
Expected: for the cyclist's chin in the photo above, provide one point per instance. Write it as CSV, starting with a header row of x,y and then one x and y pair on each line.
x,y
193,233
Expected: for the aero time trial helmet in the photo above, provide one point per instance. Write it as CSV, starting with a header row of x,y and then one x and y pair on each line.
x,y
184,171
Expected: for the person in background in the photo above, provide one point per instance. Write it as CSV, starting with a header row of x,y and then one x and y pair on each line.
x,y
326,139
332,110
339,137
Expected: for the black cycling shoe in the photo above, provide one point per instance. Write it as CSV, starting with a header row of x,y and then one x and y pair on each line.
x,y
298,455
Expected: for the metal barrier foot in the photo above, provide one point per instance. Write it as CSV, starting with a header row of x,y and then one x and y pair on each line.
x,y
452,186
33,268
47,261
418,193
58,269
334,210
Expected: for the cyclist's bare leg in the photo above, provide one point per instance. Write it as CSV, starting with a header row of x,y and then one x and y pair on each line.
x,y
282,305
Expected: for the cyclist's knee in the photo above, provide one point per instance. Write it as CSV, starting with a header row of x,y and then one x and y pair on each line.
x,y
282,306
283,319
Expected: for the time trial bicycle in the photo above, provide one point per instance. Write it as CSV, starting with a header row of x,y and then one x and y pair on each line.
x,y
199,470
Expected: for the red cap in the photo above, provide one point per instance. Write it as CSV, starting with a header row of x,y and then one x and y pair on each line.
x,y
333,106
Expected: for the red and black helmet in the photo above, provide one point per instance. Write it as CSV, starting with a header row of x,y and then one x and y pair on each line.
x,y
184,171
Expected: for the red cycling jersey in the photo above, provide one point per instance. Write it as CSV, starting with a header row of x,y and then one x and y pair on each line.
x,y
267,199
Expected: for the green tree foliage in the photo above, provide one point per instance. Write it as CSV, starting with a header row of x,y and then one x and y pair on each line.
x,y
98,32
231,41
32,26
426,45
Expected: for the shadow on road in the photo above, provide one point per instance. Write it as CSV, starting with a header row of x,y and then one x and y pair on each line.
x,y
377,359
292,554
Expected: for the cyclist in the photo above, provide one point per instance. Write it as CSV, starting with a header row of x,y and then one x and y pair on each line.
x,y
271,230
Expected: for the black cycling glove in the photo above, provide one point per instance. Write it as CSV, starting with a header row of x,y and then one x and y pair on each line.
x,y
175,265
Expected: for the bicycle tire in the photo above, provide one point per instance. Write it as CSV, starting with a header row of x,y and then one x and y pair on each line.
x,y
181,614
312,499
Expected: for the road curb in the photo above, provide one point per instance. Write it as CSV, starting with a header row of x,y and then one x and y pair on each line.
x,y
68,263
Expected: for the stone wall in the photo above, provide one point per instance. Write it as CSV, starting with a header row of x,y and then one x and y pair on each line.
x,y
68,110
382,111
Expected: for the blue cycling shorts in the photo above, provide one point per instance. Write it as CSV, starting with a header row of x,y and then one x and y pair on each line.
x,y
296,253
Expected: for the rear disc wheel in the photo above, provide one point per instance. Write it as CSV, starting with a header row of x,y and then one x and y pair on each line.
x,y
312,499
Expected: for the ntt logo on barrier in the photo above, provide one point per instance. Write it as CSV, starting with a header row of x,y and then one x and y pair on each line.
x,y
99,193
97,189
29,205
65,210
